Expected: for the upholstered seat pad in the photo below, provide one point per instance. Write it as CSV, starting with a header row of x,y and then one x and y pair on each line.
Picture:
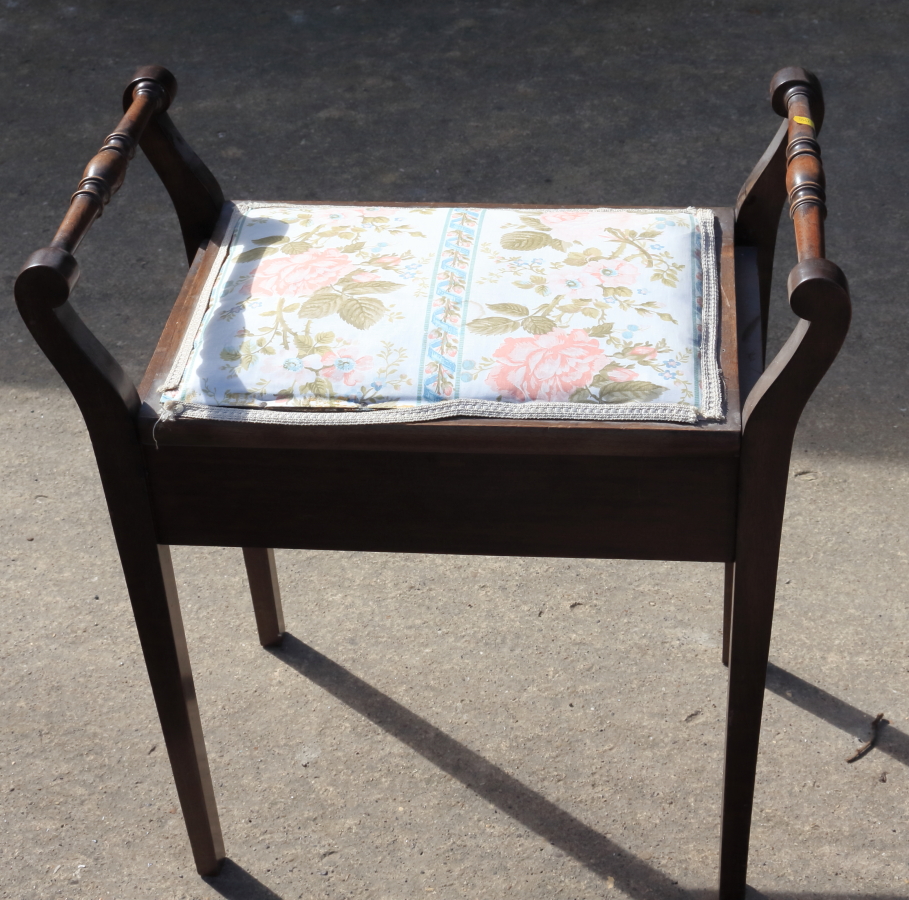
x,y
337,314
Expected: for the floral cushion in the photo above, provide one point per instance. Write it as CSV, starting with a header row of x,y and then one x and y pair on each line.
x,y
351,314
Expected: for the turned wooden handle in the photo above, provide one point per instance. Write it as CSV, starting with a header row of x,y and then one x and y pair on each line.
x,y
152,90
796,95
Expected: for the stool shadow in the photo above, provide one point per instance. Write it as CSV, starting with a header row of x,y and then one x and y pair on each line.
x,y
842,715
595,851
235,883
592,849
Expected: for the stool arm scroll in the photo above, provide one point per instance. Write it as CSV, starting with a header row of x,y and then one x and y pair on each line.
x,y
819,296
98,383
106,396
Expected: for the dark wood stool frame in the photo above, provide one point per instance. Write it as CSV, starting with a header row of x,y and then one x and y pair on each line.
x,y
728,479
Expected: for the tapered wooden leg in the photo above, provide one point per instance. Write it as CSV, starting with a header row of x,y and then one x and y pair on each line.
x,y
153,592
266,598
727,609
762,498
752,618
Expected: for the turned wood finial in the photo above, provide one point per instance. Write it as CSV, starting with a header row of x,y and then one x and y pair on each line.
x,y
796,95
151,91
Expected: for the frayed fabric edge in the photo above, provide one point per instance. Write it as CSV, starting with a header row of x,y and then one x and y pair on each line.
x,y
712,403
444,409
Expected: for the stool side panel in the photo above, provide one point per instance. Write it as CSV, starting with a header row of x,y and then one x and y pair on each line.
x,y
680,508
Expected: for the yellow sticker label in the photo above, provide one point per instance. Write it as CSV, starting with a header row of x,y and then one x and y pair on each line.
x,y
803,120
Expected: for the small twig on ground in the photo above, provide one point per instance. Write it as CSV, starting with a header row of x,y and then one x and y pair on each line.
x,y
875,727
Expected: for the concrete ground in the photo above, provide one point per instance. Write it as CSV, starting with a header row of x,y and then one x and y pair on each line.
x,y
454,727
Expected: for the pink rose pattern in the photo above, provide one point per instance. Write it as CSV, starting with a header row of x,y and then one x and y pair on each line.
x,y
609,260
296,275
548,367
358,306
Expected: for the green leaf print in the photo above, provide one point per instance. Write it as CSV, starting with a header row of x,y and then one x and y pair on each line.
x,y
271,239
510,309
295,247
576,259
371,287
255,253
493,325
630,392
323,302
525,240
533,222
304,344
538,324
362,312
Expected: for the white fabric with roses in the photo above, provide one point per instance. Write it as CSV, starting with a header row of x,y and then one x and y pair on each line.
x,y
319,314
